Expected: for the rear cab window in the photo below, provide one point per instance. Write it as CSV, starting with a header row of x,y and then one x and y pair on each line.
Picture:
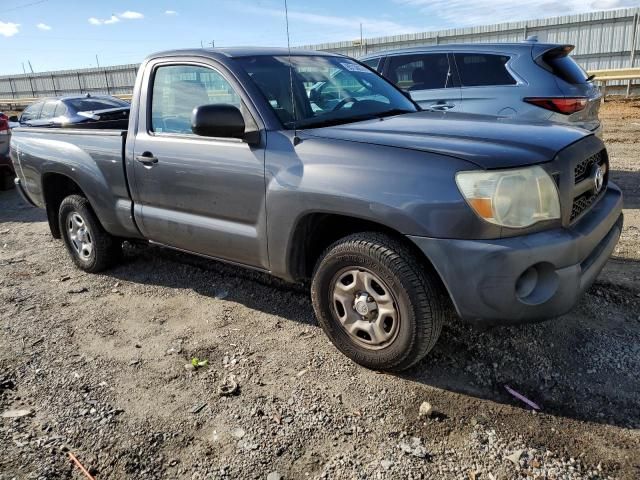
x,y
483,69
565,67
422,71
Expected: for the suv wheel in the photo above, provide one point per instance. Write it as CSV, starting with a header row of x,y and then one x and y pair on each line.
x,y
376,302
90,246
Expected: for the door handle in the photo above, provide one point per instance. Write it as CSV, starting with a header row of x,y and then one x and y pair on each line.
x,y
441,106
147,159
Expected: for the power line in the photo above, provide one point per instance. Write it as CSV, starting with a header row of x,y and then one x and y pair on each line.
x,y
4,10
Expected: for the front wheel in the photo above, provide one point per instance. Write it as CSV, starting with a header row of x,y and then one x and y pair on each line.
x,y
90,246
376,302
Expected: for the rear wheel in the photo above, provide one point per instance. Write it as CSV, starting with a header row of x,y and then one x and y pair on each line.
x,y
90,246
376,302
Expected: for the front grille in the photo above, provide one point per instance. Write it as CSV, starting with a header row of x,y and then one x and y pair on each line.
x,y
582,171
582,203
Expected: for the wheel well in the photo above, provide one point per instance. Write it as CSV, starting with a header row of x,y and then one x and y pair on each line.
x,y
56,187
316,231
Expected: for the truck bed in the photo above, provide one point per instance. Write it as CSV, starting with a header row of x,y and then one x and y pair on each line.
x,y
93,157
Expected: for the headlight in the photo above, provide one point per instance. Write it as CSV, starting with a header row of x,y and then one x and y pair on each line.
x,y
514,198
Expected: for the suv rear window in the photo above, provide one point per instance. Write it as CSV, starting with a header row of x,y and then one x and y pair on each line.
x,y
566,68
482,69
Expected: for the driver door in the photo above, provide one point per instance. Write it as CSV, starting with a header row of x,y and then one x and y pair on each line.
x,y
199,194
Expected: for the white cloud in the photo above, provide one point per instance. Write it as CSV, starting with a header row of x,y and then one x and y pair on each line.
x,y
372,27
129,15
170,12
43,26
111,20
9,29
464,13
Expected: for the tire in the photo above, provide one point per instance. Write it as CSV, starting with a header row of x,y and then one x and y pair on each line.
x,y
90,246
402,299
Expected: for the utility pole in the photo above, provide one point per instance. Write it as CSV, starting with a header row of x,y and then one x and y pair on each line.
x,y
97,61
634,33
23,69
361,40
29,62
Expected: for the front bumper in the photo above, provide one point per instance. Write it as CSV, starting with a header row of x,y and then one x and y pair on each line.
x,y
531,277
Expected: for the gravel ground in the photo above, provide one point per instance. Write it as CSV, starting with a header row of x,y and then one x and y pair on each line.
x,y
100,366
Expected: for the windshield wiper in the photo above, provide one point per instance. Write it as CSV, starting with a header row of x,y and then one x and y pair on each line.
x,y
329,122
392,112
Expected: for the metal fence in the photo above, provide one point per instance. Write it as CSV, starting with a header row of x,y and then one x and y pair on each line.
x,y
110,80
604,40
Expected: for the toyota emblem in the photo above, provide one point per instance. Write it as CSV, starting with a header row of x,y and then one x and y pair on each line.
x,y
598,179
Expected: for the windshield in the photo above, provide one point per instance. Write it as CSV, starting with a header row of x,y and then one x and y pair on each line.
x,y
326,90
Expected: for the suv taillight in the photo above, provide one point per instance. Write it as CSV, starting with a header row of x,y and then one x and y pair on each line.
x,y
4,124
564,105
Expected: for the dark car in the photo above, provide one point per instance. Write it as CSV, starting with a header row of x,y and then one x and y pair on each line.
x,y
6,167
94,111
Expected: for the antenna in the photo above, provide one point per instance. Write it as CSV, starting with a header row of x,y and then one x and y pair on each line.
x,y
296,140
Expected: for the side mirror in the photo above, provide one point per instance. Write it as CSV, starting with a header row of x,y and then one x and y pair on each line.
x,y
218,120
14,118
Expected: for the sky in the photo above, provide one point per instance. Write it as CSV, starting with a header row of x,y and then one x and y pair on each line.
x,y
62,34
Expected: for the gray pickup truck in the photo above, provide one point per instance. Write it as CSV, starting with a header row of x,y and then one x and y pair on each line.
x,y
314,167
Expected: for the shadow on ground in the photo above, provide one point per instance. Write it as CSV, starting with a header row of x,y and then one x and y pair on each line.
x,y
14,209
629,182
583,365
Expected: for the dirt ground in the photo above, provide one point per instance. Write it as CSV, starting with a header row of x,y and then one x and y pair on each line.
x,y
102,365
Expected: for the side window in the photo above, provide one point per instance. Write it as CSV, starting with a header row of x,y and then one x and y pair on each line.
x,y
372,62
48,109
61,109
481,69
32,112
178,89
420,71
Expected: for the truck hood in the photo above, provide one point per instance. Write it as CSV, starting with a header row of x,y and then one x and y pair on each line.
x,y
489,142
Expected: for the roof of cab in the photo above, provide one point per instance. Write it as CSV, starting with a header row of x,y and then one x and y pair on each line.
x,y
233,52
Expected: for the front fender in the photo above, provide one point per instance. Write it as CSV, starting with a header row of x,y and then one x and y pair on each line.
x,y
411,192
